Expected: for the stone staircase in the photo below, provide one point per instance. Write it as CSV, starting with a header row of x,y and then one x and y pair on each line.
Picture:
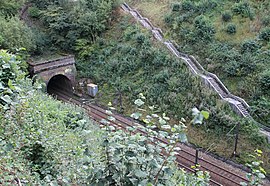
x,y
238,104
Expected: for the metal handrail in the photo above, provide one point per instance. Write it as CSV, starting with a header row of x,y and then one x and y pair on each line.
x,y
191,59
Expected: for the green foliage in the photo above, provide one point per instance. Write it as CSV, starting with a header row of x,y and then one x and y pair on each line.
x,y
47,142
199,116
176,7
203,28
206,5
261,109
264,81
244,9
10,74
265,34
188,6
14,34
249,46
142,68
266,20
42,141
199,8
242,67
226,16
10,8
258,173
34,12
231,28
134,159
69,22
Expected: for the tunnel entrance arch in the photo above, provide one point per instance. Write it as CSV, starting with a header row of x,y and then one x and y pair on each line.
x,y
57,74
59,83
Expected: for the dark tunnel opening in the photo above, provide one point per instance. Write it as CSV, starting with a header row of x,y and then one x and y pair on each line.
x,y
59,84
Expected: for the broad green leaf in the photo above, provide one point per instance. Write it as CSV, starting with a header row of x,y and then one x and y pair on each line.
x,y
111,118
10,85
142,96
136,115
140,174
1,86
205,114
151,107
6,99
138,102
5,66
261,175
166,127
258,151
162,121
165,117
109,112
182,137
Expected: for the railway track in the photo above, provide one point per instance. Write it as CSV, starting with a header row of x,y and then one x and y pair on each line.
x,y
221,173
238,104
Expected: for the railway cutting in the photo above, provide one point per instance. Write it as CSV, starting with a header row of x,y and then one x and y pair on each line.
x,y
238,104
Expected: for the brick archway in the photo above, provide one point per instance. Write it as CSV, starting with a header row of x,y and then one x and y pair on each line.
x,y
59,83
56,72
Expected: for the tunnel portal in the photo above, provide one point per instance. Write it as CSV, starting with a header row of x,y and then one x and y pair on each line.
x,y
58,74
59,84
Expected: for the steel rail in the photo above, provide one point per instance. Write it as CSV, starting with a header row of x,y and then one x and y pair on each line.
x,y
184,157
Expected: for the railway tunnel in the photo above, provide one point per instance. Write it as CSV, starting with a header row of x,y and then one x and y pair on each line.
x,y
58,74
59,83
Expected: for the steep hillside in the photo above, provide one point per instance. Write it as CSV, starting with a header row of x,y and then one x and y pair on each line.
x,y
131,62
230,38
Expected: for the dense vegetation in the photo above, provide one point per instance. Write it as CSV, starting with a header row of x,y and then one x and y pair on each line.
x,y
230,38
130,62
47,142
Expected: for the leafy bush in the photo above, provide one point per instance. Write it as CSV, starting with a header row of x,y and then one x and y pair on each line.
x,y
204,30
42,41
226,16
232,68
260,109
15,34
231,28
168,19
242,67
9,8
187,5
264,81
243,9
204,6
249,46
265,34
34,12
266,20
176,7
67,22
47,142
199,8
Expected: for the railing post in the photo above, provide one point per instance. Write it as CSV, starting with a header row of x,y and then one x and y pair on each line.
x,y
197,156
236,140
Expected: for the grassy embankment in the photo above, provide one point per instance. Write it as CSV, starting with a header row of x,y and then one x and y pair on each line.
x,y
131,62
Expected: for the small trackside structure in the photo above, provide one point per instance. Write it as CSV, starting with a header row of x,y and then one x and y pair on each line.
x,y
57,73
92,89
